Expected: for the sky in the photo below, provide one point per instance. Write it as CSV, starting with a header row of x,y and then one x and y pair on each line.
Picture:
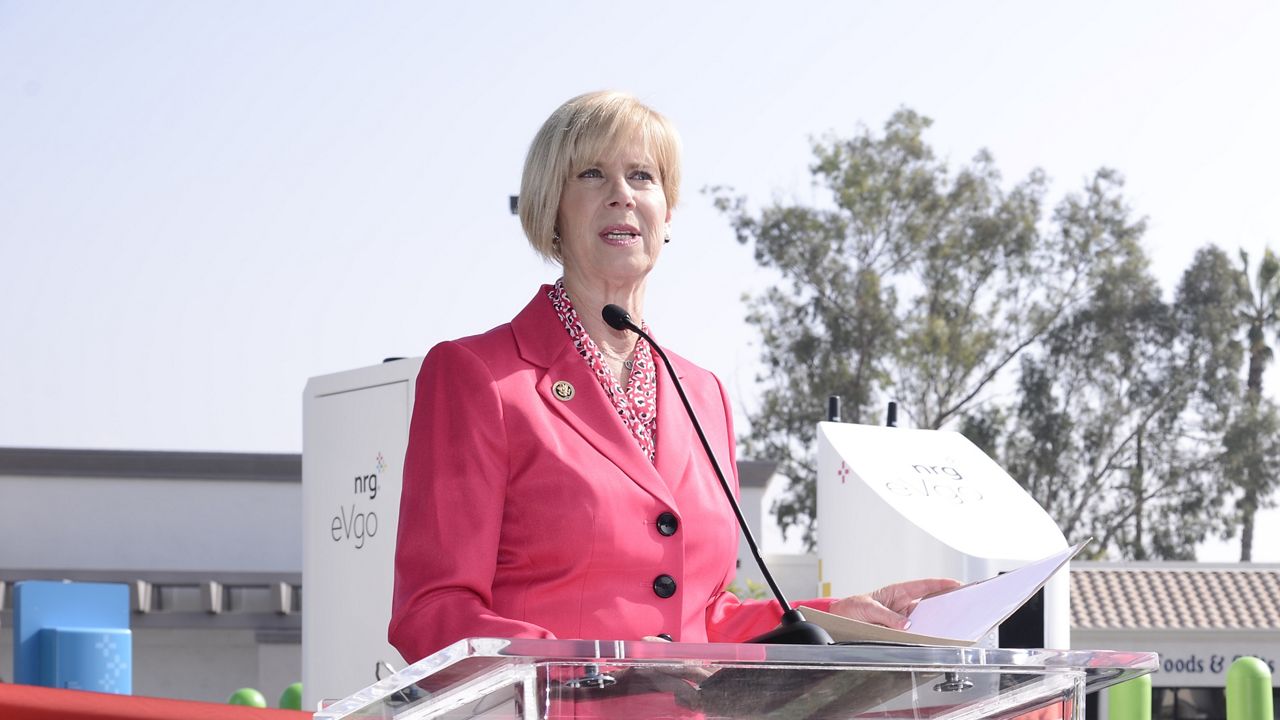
x,y
203,204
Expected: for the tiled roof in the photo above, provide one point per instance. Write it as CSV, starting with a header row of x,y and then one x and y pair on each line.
x,y
1179,597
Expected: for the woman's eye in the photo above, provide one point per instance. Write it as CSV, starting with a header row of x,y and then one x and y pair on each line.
x,y
591,173
642,175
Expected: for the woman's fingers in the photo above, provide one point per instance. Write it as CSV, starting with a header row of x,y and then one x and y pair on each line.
x,y
881,615
867,609
890,605
902,597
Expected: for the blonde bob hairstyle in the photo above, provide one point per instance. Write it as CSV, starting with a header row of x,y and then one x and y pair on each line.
x,y
580,132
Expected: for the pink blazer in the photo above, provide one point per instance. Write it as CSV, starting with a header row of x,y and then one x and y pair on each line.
x,y
527,515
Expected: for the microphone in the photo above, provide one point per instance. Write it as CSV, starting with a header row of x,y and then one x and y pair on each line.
x,y
794,630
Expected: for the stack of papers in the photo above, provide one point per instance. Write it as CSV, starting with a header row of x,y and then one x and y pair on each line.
x,y
958,617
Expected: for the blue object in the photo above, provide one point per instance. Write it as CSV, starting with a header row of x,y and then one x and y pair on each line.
x,y
98,659
72,635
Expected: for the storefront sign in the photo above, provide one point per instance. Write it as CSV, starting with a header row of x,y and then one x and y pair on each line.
x,y
1192,664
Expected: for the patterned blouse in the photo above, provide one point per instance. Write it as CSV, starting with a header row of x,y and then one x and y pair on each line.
x,y
637,404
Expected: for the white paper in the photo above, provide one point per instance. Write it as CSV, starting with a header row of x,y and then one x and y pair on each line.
x,y
843,629
971,611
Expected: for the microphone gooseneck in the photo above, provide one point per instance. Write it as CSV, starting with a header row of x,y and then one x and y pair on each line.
x,y
794,630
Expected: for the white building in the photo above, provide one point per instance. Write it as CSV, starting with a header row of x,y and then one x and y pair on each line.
x,y
209,543
1199,617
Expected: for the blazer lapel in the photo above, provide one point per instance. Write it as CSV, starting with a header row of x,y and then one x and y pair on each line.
x,y
676,437
542,341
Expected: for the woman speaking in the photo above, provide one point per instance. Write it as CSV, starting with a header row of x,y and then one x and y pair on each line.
x,y
553,485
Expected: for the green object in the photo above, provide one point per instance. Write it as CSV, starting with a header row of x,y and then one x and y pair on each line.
x,y
247,696
291,698
1249,690
1130,700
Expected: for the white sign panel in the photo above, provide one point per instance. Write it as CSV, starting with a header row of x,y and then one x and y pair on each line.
x,y
355,430
939,481
897,503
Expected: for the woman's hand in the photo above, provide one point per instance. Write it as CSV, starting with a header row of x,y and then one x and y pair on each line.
x,y
890,605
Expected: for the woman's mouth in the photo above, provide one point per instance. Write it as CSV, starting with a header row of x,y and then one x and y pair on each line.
x,y
620,235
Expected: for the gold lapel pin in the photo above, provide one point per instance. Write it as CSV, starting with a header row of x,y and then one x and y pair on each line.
x,y
563,390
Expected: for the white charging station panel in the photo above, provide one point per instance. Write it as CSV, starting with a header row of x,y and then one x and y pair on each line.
x,y
355,431
896,504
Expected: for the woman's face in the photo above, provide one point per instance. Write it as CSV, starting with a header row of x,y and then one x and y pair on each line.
x,y
613,216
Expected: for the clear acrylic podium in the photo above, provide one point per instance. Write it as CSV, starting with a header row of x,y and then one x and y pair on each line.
x,y
526,679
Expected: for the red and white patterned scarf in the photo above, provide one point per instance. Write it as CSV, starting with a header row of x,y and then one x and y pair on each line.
x,y
637,404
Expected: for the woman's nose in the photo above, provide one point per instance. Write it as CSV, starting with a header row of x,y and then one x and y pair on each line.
x,y
621,194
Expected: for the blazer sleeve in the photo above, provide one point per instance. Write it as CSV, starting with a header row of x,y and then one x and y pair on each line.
x,y
730,619
451,508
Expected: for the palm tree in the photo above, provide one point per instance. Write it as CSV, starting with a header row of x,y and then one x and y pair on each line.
x,y
1259,311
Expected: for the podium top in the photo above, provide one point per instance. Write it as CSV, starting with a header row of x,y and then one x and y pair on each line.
x,y
518,678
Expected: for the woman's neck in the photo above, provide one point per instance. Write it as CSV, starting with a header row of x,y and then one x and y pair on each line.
x,y
589,298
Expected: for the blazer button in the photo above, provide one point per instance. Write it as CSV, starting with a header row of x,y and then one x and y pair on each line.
x,y
664,586
667,524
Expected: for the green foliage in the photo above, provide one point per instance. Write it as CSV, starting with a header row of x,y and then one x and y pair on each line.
x,y
1259,302
1250,456
753,591
1248,462
917,282
935,287
1109,439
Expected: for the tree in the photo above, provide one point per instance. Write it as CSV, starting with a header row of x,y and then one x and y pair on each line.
x,y
1249,444
914,281
1206,307
1119,410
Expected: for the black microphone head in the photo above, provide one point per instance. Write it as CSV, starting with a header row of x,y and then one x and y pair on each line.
x,y
617,317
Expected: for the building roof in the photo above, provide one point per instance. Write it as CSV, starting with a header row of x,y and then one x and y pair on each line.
x,y
170,465
149,464
1174,596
